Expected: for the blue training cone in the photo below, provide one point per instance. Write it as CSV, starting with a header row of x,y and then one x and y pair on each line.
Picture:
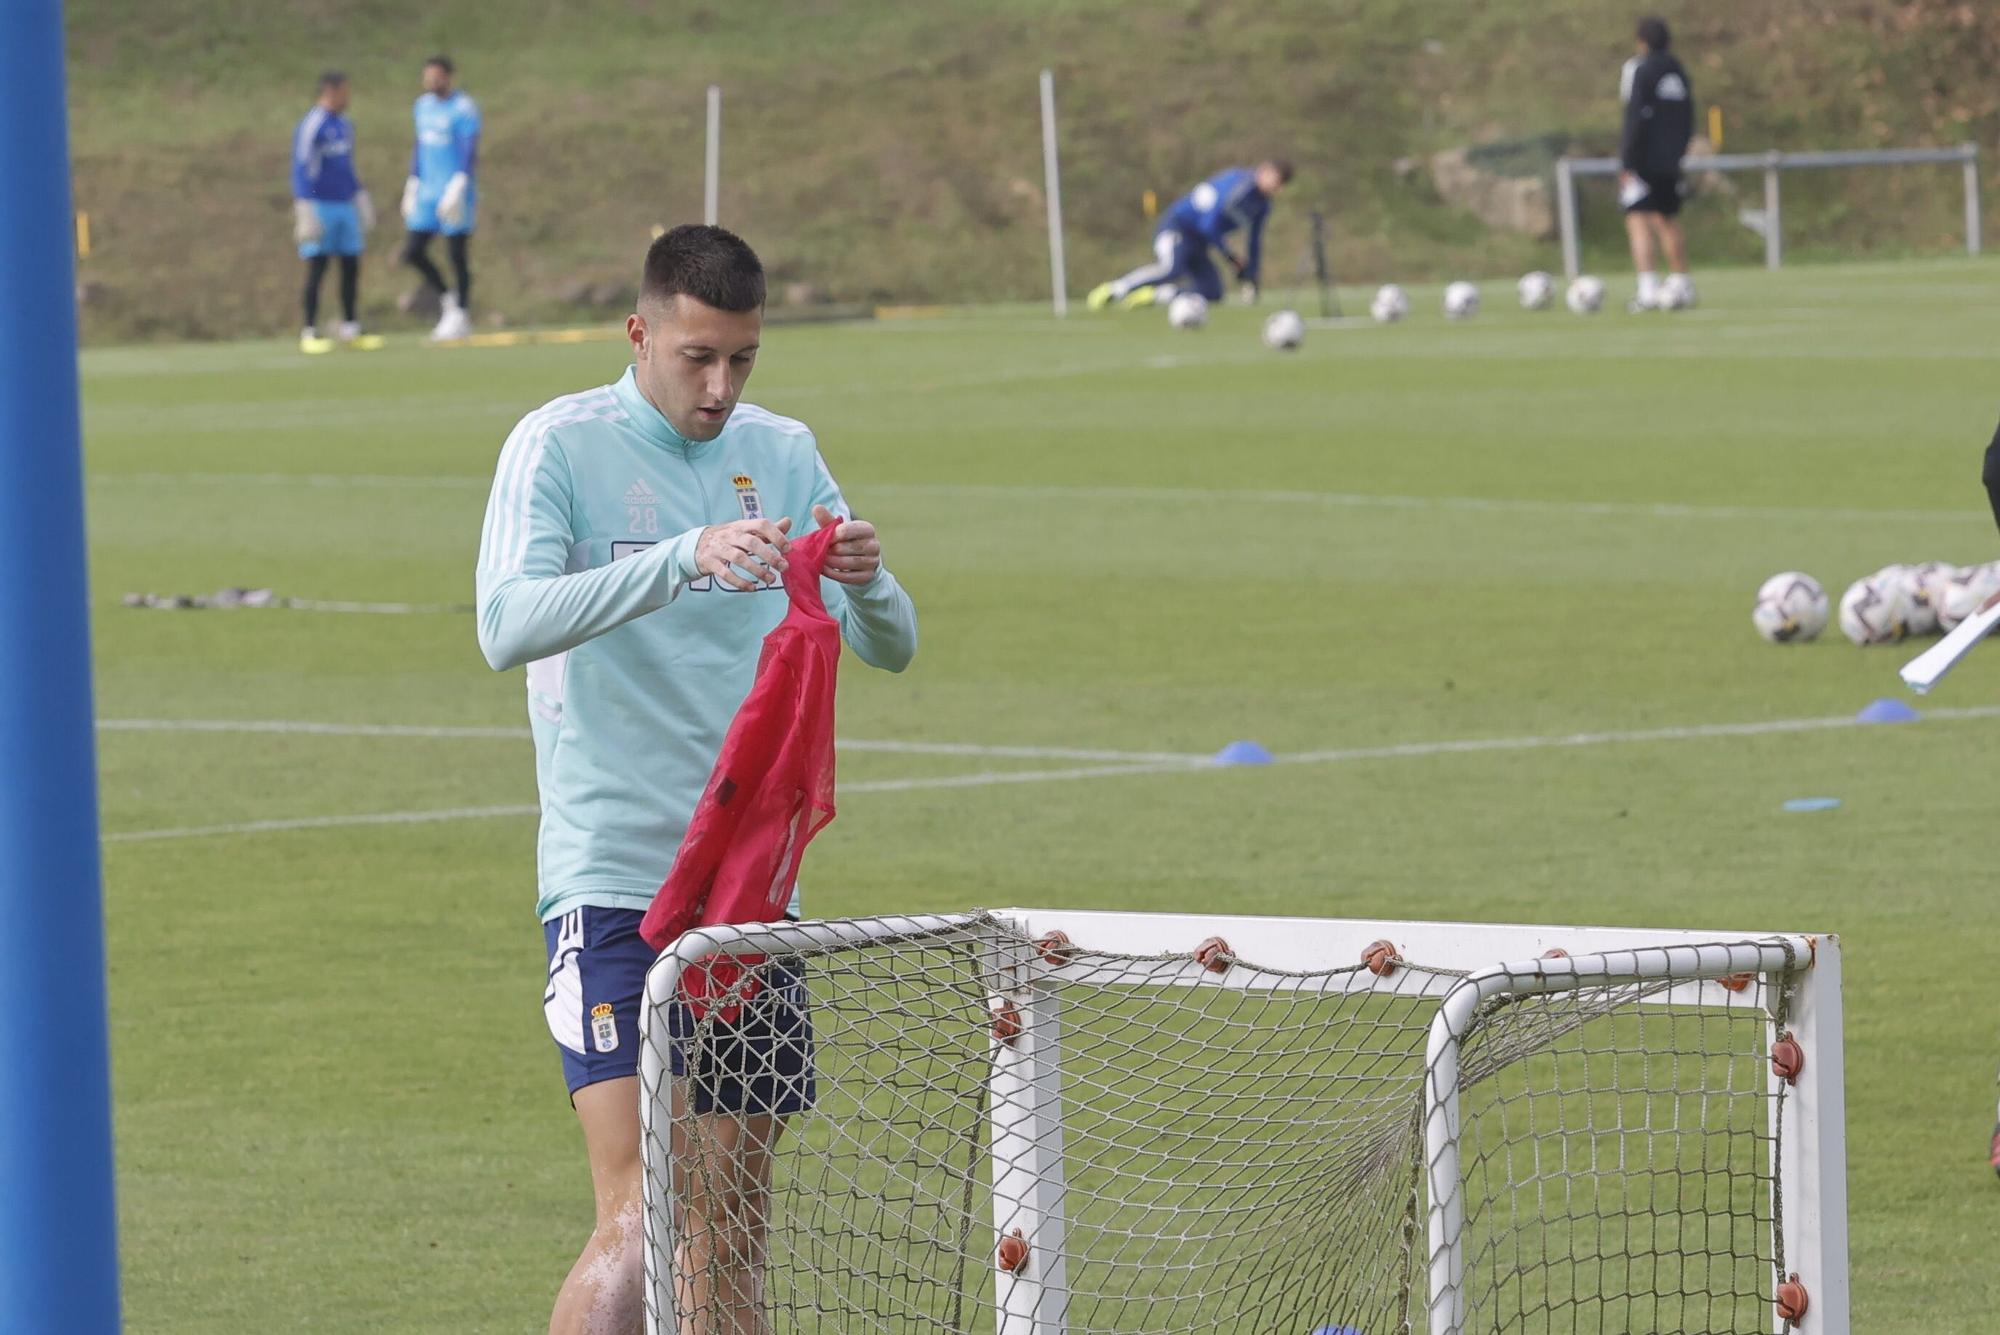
x,y
1887,711
1243,753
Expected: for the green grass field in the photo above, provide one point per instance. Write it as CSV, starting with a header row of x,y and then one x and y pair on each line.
x,y
337,1104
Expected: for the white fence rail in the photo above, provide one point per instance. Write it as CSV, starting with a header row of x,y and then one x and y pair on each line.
x,y
1773,165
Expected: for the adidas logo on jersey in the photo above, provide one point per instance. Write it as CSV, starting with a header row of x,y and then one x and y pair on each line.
x,y
640,494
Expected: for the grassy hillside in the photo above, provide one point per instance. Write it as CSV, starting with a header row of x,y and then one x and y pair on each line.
x,y
891,152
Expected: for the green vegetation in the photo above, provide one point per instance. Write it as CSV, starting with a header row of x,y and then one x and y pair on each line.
x,y
338,1106
884,152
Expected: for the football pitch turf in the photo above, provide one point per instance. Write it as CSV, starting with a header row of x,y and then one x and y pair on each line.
x,y
1483,588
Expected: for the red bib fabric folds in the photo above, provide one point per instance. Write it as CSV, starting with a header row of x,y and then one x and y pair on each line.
x,y
771,791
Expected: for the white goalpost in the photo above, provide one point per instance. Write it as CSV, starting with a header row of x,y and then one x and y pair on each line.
x,y
1052,1122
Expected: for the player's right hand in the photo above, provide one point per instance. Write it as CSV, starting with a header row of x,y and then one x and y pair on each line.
x,y
744,554
306,227
409,199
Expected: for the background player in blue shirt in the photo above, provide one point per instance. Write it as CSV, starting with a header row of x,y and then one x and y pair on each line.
x,y
330,211
1204,217
440,195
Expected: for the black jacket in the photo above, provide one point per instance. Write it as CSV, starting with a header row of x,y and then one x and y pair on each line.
x,y
1659,115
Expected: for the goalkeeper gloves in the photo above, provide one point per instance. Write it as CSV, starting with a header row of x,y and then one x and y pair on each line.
x,y
364,209
409,199
451,204
306,227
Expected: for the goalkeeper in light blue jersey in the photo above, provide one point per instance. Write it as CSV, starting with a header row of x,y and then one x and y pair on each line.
x,y
631,558
442,194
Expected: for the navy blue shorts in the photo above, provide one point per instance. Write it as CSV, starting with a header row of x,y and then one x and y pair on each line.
x,y
760,1061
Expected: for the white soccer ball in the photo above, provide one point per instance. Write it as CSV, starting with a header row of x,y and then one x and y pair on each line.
x,y
1873,611
1965,591
1537,290
1461,301
1284,330
1927,582
1390,305
1789,607
1585,295
1189,310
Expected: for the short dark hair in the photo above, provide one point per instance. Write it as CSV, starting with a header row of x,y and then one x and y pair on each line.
x,y
442,62
332,79
1653,32
714,266
1284,166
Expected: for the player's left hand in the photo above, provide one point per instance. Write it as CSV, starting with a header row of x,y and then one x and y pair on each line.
x,y
856,554
364,209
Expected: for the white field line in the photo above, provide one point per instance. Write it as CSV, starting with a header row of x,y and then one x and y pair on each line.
x,y
1364,501
1407,750
306,727
321,823
1161,495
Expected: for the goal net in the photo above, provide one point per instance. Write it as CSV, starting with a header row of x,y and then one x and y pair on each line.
x,y
1046,1122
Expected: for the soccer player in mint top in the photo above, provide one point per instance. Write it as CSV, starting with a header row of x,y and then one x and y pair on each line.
x,y
1659,122
631,557
330,211
440,195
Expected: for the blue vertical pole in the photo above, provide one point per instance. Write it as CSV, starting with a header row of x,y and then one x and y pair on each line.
x,y
58,1226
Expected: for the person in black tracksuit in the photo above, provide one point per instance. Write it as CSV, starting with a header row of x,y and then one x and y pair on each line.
x,y
1659,121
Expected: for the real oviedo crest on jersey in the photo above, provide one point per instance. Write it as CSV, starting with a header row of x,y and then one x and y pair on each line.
x,y
746,497
603,1027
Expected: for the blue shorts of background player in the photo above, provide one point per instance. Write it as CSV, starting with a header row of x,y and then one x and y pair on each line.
x,y
1183,260
760,1063
339,230
424,217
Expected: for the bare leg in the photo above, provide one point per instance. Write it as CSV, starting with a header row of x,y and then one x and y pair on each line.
x,y
1673,241
605,1291
1638,231
722,1169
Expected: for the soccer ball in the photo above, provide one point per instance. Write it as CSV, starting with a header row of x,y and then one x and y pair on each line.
x,y
1189,310
1537,290
1789,607
1461,301
1585,295
1927,583
1873,611
1284,330
1965,591
1390,305
1903,579
1676,292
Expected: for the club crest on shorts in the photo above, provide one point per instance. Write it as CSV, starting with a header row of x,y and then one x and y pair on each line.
x,y
747,497
603,1028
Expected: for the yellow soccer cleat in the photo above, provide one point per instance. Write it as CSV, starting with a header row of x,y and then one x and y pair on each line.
x,y
1137,298
1100,297
313,345
366,342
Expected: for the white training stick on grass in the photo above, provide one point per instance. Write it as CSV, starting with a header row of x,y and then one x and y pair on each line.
x,y
1927,669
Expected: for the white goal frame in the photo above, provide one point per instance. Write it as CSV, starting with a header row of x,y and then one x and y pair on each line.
x,y
1493,961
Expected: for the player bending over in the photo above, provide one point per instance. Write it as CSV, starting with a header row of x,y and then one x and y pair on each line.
x,y
330,210
440,196
1659,121
630,560
1203,217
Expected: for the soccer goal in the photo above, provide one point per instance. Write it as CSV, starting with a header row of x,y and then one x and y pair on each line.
x,y
1051,1123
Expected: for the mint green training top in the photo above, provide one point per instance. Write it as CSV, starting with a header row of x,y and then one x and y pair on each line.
x,y
635,664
